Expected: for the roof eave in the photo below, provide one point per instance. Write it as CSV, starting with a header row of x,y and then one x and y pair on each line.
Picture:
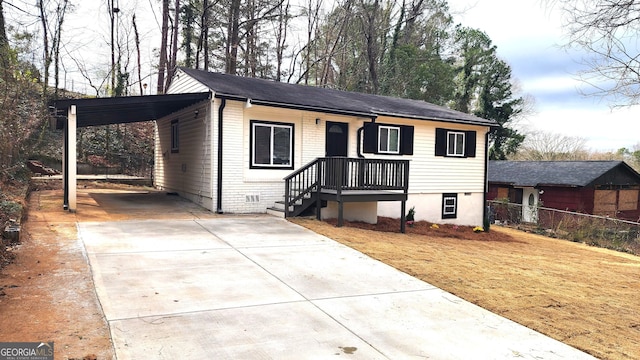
x,y
295,106
479,122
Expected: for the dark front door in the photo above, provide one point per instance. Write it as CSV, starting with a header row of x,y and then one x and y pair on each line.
x,y
337,135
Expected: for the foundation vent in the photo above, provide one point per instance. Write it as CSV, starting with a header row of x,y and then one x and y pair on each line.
x,y
252,198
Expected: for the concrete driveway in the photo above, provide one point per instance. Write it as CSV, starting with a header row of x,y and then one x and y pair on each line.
x,y
259,287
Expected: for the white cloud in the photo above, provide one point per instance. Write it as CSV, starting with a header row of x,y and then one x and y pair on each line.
x,y
528,36
603,128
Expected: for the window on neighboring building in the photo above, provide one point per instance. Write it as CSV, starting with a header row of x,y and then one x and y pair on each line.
x,y
271,145
455,143
389,139
175,136
449,206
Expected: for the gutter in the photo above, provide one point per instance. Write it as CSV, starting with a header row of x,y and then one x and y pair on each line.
x,y
439,119
295,107
223,103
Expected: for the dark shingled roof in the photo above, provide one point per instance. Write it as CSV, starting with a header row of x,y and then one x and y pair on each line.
x,y
272,93
561,173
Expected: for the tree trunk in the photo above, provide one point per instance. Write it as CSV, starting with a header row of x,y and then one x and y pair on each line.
x,y
112,16
372,47
188,33
162,65
61,10
137,40
203,39
174,45
46,50
281,38
233,38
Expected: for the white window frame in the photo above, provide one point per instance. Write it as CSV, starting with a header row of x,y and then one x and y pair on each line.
x,y
272,126
452,149
388,140
449,211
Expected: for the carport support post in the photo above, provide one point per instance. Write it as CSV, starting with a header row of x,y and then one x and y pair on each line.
x,y
71,160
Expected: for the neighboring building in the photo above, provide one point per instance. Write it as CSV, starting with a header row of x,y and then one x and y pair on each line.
x,y
231,153
610,188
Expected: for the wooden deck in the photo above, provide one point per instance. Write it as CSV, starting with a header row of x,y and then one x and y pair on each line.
x,y
342,179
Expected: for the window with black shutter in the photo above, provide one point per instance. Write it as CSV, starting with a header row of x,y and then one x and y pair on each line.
x,y
455,143
387,139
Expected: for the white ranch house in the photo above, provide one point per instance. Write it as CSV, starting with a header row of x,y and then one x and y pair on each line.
x,y
228,142
252,133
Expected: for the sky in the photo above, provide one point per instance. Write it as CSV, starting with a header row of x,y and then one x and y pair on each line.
x,y
528,36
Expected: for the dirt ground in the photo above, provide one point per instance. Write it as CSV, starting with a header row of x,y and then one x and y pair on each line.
x,y
584,296
47,292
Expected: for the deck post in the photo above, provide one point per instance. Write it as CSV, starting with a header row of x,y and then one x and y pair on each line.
x,y
70,164
320,163
403,217
339,170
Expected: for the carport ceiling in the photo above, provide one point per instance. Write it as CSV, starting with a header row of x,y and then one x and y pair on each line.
x,y
121,110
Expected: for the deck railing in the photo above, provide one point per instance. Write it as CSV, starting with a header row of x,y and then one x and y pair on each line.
x,y
342,173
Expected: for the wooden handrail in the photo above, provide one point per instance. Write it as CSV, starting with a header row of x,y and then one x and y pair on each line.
x,y
343,173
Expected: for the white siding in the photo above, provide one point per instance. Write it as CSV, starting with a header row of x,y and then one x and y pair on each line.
x,y
183,83
187,172
431,176
429,207
193,171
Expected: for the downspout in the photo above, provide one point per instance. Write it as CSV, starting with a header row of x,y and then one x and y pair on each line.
x,y
485,219
359,140
223,103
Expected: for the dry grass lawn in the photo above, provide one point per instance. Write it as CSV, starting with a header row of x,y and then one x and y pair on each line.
x,y
583,296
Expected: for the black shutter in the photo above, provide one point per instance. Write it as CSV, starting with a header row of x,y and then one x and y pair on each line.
x,y
470,144
370,138
406,138
441,142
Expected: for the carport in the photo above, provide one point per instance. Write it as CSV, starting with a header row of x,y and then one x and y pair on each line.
x,y
72,114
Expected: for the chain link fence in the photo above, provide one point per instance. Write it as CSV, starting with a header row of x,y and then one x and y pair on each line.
x,y
601,231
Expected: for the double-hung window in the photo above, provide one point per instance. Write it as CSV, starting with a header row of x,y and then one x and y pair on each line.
x,y
455,143
271,145
389,139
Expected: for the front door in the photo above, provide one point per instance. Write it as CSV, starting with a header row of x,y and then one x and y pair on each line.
x,y
336,144
337,139
530,200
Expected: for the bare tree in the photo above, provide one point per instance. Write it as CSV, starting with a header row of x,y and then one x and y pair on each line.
x,y
173,61
281,37
542,145
162,63
137,40
51,50
608,30
4,46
